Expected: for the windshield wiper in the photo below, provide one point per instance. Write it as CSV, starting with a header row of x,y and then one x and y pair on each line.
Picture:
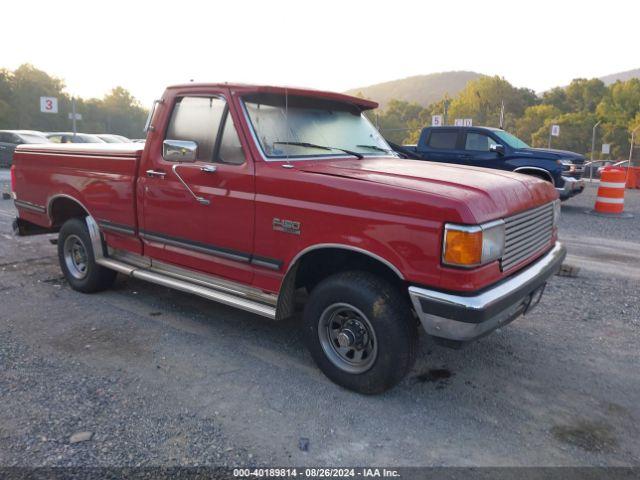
x,y
375,147
359,156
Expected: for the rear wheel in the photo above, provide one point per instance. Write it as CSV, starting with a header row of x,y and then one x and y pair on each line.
x,y
360,331
77,260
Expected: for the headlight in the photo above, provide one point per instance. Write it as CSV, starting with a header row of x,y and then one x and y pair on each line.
x,y
556,212
471,246
567,165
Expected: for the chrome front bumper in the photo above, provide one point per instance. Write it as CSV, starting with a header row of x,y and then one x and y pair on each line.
x,y
467,317
572,186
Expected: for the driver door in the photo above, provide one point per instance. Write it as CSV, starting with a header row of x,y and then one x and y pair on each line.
x,y
477,147
200,214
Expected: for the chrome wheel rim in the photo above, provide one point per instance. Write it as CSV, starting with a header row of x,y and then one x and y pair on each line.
x,y
76,257
348,338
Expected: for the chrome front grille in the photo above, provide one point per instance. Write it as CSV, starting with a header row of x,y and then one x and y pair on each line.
x,y
525,234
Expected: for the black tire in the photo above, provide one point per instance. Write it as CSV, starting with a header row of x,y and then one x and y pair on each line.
x,y
386,312
74,235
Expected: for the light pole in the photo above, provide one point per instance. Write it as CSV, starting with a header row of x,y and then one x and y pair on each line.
x,y
593,138
73,113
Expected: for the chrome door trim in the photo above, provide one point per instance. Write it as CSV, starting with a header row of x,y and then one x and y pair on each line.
x,y
209,250
29,206
210,287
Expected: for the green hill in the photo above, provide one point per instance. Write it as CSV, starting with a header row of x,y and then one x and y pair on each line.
x,y
622,76
420,89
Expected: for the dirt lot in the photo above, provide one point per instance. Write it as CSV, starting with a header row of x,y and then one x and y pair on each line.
x,y
164,378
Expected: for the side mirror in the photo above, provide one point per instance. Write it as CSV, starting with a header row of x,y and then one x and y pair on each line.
x,y
499,149
179,151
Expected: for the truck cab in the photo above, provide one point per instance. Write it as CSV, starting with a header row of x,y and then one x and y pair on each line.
x,y
495,148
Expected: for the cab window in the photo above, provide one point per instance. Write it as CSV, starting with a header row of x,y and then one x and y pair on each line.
x,y
443,139
478,142
230,147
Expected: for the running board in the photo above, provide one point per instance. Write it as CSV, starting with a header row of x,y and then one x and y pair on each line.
x,y
209,293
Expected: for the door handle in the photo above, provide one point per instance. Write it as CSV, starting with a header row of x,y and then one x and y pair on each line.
x,y
155,173
209,169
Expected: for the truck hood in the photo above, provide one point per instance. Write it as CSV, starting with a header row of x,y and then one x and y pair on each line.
x,y
486,194
552,154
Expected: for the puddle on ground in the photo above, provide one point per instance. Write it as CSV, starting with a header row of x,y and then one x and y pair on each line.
x,y
589,436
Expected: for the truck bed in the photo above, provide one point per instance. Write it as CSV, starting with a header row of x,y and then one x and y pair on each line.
x,y
101,177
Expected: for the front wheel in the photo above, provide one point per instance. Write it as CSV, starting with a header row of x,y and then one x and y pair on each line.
x,y
360,331
77,260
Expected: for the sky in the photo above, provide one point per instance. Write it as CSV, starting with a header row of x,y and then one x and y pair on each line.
x,y
329,45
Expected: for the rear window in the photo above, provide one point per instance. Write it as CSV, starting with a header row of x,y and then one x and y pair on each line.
x,y
443,139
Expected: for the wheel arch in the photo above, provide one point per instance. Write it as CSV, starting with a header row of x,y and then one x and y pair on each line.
x,y
63,207
316,262
536,171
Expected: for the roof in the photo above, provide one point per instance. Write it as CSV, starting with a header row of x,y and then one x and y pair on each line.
x,y
493,129
364,104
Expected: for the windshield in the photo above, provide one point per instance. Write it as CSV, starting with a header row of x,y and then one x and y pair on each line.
x,y
511,140
28,138
311,127
87,138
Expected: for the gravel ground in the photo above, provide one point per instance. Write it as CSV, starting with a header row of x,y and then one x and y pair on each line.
x,y
576,223
164,378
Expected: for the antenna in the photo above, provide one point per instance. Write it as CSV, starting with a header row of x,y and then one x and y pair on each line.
x,y
286,119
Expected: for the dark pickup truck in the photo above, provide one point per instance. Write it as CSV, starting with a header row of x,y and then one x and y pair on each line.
x,y
495,148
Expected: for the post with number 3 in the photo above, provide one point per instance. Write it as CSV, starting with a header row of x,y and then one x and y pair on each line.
x,y
48,104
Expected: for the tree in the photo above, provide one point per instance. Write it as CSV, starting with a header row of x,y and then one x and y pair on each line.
x,y
20,92
123,113
6,110
584,95
556,97
482,100
621,103
395,119
28,84
575,132
533,119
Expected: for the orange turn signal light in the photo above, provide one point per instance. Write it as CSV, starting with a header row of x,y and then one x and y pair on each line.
x,y
462,248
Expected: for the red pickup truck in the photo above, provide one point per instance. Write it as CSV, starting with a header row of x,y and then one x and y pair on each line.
x,y
259,197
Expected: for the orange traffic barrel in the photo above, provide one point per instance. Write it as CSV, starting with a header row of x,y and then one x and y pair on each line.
x,y
611,191
633,177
